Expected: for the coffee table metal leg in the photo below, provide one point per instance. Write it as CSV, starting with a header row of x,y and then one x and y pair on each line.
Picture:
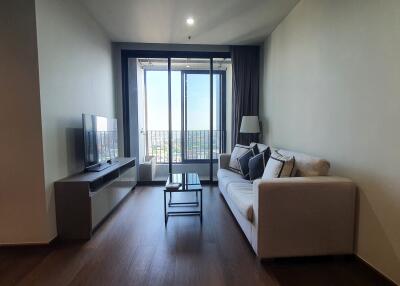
x,y
201,206
165,209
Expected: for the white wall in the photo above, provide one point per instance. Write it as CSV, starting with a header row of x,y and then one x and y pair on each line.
x,y
75,65
332,89
22,200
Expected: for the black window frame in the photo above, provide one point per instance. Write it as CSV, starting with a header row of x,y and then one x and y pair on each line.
x,y
221,113
130,54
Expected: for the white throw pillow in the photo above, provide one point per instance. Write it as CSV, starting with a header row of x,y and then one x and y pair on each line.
x,y
237,152
279,166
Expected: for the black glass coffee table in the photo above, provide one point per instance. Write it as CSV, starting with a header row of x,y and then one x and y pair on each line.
x,y
189,183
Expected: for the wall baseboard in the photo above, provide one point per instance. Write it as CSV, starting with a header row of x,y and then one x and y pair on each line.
x,y
150,183
388,280
30,244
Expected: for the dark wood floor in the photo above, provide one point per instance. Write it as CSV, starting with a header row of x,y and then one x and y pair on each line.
x,y
133,248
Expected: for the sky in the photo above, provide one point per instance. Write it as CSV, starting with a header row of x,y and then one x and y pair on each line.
x,y
198,100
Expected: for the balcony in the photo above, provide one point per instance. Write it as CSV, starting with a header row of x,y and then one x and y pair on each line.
x,y
196,145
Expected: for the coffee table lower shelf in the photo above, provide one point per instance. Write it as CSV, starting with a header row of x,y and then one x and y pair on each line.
x,y
196,203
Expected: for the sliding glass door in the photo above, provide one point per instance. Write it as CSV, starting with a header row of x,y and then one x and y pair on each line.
x,y
182,114
153,115
190,114
197,116
222,110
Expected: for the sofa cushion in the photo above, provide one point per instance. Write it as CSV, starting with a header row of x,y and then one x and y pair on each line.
x,y
237,152
242,196
279,166
225,177
308,166
224,173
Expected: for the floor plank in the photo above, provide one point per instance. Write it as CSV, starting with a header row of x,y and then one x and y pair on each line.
x,y
134,248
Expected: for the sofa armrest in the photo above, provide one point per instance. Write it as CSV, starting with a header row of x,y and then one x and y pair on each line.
x,y
303,216
223,160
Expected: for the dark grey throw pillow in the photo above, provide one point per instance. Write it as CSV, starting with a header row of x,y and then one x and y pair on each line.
x,y
256,150
266,154
256,167
265,150
244,163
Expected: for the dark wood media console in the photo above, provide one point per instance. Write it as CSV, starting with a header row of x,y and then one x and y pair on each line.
x,y
84,200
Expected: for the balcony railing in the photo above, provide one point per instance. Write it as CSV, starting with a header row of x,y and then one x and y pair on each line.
x,y
196,145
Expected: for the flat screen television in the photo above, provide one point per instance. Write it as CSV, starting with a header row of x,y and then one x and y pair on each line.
x,y
100,137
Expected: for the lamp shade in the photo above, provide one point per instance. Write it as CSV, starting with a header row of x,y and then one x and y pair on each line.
x,y
250,124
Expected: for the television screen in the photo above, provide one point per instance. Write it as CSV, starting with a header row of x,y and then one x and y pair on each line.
x,y
100,138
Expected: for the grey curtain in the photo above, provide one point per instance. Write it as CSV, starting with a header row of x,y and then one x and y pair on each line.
x,y
245,89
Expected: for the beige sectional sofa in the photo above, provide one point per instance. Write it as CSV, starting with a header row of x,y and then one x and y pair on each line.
x,y
306,215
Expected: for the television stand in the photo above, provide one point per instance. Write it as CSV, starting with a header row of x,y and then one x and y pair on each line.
x,y
86,199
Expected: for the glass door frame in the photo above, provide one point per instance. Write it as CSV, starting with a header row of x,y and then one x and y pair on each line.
x,y
221,113
126,55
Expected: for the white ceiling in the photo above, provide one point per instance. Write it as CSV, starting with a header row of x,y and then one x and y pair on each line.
x,y
164,21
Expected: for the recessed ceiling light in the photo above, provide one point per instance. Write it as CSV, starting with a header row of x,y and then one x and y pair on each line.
x,y
190,21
